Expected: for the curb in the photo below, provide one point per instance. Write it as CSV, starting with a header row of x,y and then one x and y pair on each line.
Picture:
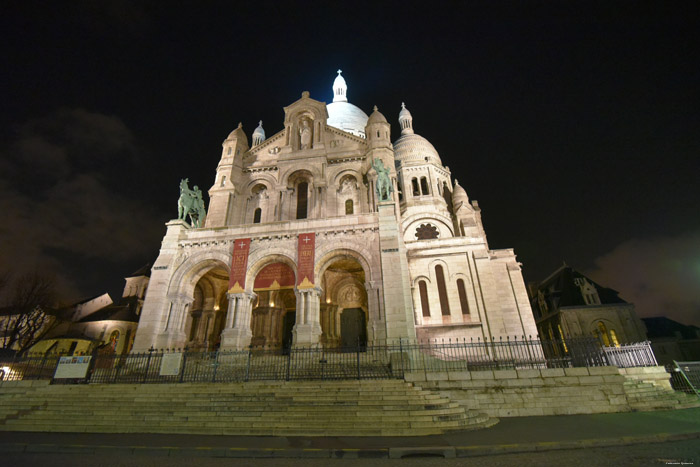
x,y
341,453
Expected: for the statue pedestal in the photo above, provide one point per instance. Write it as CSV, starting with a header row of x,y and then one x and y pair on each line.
x,y
307,334
236,338
174,340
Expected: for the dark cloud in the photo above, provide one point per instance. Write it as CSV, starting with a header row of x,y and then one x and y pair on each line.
x,y
661,276
59,207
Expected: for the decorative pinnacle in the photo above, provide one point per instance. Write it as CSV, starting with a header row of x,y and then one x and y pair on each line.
x,y
375,108
260,123
240,125
339,71
403,106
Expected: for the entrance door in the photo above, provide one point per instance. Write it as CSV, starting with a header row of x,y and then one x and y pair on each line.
x,y
353,328
287,326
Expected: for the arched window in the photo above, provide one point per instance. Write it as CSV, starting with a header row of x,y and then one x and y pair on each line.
x,y
613,338
257,215
302,199
425,305
416,190
463,297
229,151
424,186
442,290
348,207
604,333
223,180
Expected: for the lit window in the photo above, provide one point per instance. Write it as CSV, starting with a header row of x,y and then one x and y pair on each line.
x,y
603,331
613,338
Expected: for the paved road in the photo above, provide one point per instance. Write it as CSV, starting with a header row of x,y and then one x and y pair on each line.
x,y
640,455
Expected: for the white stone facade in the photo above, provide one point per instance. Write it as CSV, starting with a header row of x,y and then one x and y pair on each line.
x,y
415,266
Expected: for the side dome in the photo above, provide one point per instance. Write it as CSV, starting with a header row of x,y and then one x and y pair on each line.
x,y
459,196
377,117
411,147
414,148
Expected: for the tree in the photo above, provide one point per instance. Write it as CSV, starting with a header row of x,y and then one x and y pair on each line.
x,y
29,311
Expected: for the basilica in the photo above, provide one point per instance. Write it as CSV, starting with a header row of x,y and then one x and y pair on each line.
x,y
329,234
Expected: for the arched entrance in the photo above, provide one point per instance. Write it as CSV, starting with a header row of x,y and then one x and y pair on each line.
x,y
344,311
274,310
207,314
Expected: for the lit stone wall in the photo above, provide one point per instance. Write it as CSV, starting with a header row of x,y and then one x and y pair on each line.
x,y
552,391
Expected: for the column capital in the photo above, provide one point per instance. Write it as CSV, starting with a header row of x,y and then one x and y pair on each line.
x,y
242,296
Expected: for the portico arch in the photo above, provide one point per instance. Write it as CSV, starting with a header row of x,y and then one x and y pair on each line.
x,y
195,314
345,309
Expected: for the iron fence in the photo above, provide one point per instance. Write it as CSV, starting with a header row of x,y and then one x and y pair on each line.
x,y
318,363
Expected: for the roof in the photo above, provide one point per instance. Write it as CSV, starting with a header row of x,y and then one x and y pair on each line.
x,y
125,310
661,326
560,286
144,270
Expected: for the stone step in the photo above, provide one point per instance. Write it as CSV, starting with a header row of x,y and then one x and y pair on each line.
x,y
353,408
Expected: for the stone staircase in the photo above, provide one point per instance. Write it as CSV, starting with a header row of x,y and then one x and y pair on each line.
x,y
644,396
332,408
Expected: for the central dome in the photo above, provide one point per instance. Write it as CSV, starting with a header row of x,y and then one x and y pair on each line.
x,y
342,114
347,117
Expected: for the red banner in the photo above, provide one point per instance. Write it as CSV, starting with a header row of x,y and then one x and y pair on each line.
x,y
239,264
306,260
274,276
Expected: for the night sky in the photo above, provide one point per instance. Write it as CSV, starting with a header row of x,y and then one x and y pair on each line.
x,y
576,125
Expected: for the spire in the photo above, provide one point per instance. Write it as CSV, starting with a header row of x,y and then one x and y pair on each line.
x,y
258,134
340,88
405,120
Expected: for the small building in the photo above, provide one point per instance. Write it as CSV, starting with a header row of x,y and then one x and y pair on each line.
x,y
672,340
99,322
569,304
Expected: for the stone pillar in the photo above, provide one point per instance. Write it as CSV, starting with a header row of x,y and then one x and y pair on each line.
x,y
237,334
173,336
307,330
398,304
376,326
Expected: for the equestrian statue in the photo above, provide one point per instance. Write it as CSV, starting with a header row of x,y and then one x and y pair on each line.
x,y
191,204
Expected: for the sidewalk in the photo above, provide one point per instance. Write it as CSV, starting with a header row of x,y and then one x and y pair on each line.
x,y
511,435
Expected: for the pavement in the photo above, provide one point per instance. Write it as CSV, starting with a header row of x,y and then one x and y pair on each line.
x,y
511,435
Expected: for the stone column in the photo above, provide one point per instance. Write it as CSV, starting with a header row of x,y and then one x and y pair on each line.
x,y
307,330
237,334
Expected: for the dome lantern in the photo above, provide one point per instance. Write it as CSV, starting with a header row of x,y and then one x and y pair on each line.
x,y
258,134
340,88
405,120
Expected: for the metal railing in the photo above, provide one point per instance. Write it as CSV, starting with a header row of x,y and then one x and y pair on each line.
x,y
685,376
631,355
318,363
